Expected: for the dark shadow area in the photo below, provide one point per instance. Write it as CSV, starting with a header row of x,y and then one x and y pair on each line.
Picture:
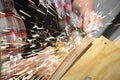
x,y
112,28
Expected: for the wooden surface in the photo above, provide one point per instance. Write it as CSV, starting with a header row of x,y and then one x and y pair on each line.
x,y
117,41
71,58
100,62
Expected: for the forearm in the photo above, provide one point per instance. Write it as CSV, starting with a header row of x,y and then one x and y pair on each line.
x,y
83,5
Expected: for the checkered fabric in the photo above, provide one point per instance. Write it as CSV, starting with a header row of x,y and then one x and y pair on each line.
x,y
67,19
12,28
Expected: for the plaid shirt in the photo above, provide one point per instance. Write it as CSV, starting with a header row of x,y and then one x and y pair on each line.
x,y
12,29
67,18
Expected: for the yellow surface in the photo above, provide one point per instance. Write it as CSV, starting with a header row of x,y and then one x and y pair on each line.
x,y
117,41
71,58
100,62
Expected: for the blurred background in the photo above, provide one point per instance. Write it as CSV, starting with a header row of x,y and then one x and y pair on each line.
x,y
111,23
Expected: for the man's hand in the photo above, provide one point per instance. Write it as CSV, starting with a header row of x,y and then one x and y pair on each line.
x,y
90,22
2,15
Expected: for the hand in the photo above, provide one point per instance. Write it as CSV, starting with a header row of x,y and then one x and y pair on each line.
x,y
90,22
2,15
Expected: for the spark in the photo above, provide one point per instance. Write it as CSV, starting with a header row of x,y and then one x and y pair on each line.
x,y
76,11
25,13
33,31
6,30
50,12
103,17
45,3
40,11
110,13
98,4
49,38
56,5
23,17
30,40
4,47
36,35
100,13
33,45
45,44
67,14
108,24
60,17
35,26
31,2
